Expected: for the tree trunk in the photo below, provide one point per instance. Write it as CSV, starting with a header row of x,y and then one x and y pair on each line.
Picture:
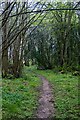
x,y
4,50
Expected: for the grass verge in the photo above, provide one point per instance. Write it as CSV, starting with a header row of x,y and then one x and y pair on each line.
x,y
19,96
66,93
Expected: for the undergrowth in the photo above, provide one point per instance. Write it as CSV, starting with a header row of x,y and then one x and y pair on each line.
x,y
65,92
19,96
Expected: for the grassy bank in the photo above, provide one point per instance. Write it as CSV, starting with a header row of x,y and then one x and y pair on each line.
x,y
20,96
66,93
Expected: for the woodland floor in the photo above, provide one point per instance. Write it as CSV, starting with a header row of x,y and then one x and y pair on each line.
x,y
41,94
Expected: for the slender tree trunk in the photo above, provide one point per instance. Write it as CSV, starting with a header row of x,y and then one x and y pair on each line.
x,y
4,50
16,48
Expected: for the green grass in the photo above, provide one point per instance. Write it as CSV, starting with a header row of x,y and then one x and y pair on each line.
x,y
66,93
20,96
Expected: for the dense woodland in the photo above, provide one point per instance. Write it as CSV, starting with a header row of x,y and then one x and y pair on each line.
x,y
39,53
40,33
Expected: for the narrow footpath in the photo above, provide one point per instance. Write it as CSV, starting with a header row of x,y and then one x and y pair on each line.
x,y
46,100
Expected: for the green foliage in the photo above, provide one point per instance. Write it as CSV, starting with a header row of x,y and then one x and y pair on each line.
x,y
20,96
57,38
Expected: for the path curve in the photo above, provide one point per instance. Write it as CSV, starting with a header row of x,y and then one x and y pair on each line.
x,y
46,102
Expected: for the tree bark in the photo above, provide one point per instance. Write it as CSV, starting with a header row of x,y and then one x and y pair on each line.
x,y
4,41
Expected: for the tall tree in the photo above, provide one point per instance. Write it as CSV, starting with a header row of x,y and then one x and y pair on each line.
x,y
4,41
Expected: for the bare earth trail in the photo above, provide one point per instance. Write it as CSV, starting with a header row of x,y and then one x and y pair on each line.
x,y
46,101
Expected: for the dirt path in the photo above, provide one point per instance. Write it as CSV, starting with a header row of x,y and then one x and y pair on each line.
x,y
46,102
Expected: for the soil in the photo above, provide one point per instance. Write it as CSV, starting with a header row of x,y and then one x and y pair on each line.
x,y
46,101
